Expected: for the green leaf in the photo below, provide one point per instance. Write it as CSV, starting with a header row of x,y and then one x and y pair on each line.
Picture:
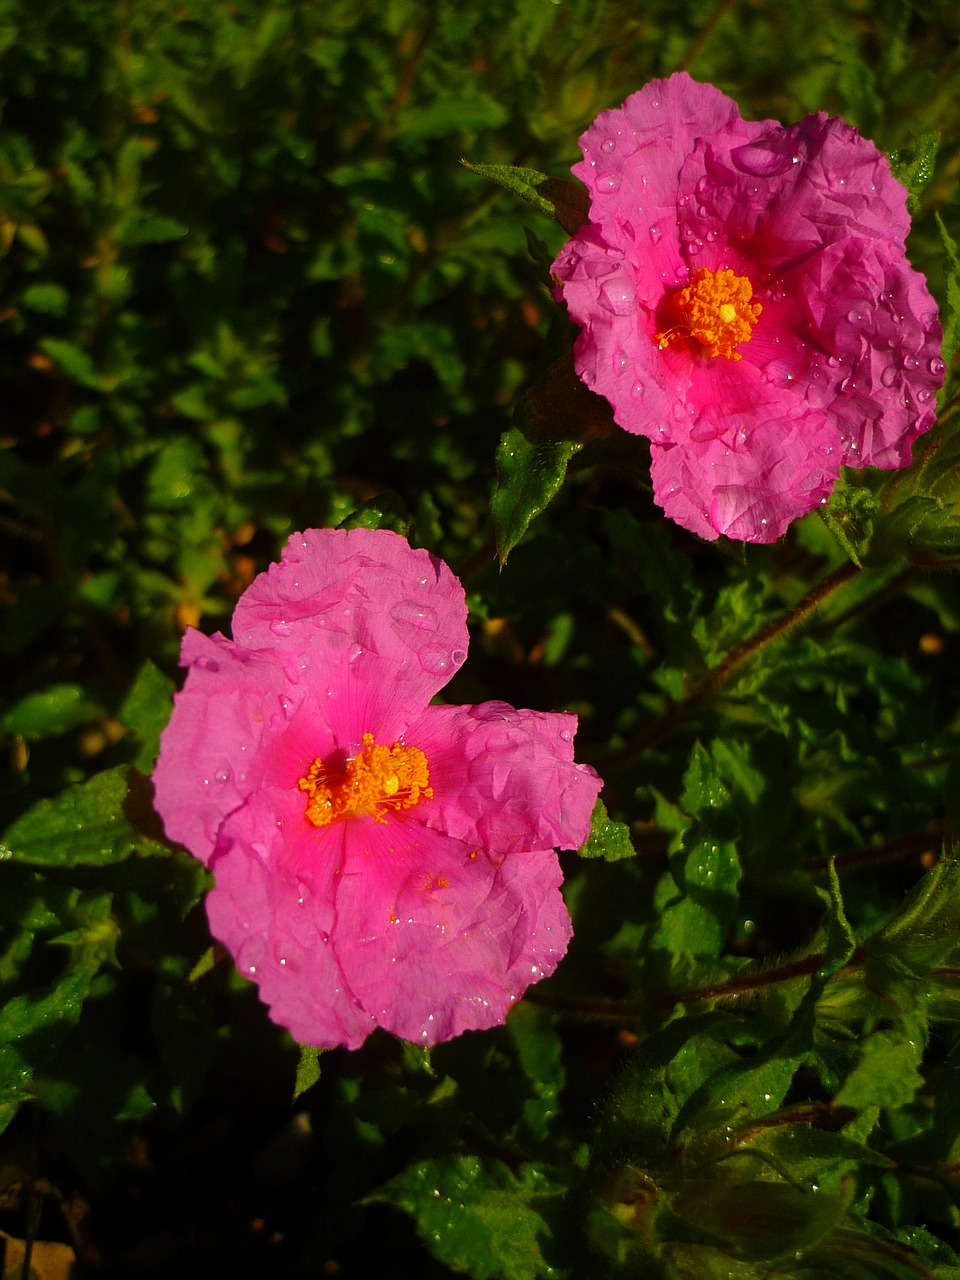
x,y
74,361
607,839
541,1058
950,317
34,1023
146,710
100,821
308,1069
48,299
565,201
759,1220
386,511
913,166
529,476
926,928
56,710
478,1217
886,1073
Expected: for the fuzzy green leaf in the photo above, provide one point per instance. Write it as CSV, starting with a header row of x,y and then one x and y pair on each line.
x,y
477,1216
103,820
607,839
528,477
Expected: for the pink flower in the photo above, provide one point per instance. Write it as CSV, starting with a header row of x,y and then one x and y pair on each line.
x,y
378,861
746,303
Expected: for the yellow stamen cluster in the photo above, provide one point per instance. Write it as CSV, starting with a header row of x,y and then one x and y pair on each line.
x,y
375,781
715,311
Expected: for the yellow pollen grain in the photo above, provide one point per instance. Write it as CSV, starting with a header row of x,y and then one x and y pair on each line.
x,y
376,781
715,310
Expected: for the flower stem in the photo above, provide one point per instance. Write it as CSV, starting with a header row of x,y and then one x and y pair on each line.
x,y
680,711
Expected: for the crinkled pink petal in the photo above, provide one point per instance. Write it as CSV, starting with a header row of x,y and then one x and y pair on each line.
x,y
748,490
210,748
436,938
370,590
505,780
278,926
813,217
363,924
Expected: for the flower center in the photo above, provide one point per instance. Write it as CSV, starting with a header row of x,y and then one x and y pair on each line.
x,y
373,782
715,311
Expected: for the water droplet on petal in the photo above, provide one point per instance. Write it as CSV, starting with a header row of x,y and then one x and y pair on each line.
x,y
638,391
889,376
410,614
782,373
762,161
280,628
458,657
696,247
711,235
609,181
911,362
655,233
222,775
434,659
609,144
924,396
936,366
854,315
617,296
354,652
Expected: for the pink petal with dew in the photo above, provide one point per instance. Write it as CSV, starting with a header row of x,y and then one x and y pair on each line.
x,y
372,591
435,938
633,154
874,315
212,749
355,690
278,926
504,780
749,490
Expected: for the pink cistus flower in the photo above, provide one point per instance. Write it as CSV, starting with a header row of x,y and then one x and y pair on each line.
x,y
378,861
747,305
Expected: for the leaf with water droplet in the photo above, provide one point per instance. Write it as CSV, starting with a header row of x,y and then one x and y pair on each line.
x,y
913,167
608,839
102,820
566,202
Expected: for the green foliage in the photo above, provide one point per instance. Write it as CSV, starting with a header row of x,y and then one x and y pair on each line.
x,y
478,1216
250,286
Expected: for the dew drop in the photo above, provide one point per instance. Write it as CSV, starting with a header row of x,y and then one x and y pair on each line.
x,y
280,628
617,297
924,396
609,181
354,652
695,247
434,659
638,391
936,366
222,775
458,657
780,372
410,614
889,376
655,233
207,664
911,362
711,235
610,144
854,316
849,385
